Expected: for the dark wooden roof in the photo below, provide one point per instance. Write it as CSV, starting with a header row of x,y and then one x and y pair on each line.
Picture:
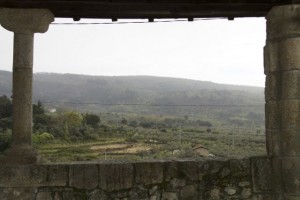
x,y
151,8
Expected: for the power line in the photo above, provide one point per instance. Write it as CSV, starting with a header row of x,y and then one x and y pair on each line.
x,y
134,22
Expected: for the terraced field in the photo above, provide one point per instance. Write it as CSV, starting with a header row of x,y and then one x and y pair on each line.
x,y
151,144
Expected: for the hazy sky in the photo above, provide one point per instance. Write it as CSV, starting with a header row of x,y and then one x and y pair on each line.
x,y
216,50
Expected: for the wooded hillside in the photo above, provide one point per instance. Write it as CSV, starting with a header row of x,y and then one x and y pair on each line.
x,y
109,94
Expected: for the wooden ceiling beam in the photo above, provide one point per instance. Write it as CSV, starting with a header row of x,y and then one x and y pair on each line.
x,y
150,8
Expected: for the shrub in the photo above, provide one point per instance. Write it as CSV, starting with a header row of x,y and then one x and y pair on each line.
x,y
5,139
42,138
91,120
133,123
163,130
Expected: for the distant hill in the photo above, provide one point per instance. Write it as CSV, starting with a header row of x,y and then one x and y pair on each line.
x,y
51,87
134,89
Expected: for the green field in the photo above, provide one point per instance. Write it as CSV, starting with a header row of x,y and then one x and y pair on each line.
x,y
143,144
70,135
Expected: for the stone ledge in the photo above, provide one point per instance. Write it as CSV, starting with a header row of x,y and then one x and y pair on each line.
x,y
179,179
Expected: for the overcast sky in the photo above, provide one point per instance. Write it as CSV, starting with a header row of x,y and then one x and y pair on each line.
x,y
216,50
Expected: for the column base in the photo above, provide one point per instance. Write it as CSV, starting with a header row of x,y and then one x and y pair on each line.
x,y
19,156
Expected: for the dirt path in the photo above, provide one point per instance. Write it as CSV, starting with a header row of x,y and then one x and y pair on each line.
x,y
122,148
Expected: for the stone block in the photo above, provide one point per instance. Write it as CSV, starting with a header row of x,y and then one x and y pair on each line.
x,y
154,197
292,197
115,176
23,176
57,196
264,197
276,172
271,57
214,194
225,172
213,167
189,169
83,176
266,60
171,171
273,142
261,174
73,195
290,85
176,183
97,195
139,192
22,193
273,86
244,184
149,172
290,114
272,115
290,139
230,190
44,196
152,190
289,53
246,193
212,171
189,192
291,175
269,142
240,168
169,196
57,175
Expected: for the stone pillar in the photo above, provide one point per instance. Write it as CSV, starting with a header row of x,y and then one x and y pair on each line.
x,y
282,67
24,23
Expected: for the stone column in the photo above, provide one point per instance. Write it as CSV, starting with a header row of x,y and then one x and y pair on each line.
x,y
24,23
282,67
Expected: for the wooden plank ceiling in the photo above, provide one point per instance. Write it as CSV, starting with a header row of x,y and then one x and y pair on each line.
x,y
132,9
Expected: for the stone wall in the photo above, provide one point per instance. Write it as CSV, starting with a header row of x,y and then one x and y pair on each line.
x,y
155,180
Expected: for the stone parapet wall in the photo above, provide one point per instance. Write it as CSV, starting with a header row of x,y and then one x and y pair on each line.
x,y
155,180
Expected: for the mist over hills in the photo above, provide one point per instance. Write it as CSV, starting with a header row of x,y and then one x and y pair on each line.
x,y
51,87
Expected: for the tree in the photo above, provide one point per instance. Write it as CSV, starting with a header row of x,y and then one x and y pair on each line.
x,y
5,112
133,123
204,123
5,107
42,138
124,121
91,119
40,119
38,108
72,119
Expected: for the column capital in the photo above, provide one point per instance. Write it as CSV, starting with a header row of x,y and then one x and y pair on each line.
x,y
283,22
26,21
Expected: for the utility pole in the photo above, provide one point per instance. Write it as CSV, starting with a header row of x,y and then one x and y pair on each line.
x,y
233,133
180,140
